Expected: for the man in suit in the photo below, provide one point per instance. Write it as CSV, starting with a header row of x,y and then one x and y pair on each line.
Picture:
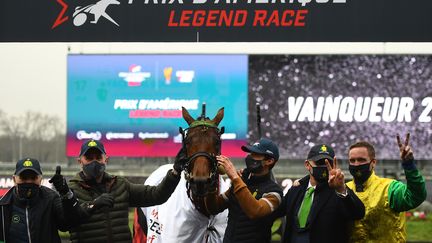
x,y
321,208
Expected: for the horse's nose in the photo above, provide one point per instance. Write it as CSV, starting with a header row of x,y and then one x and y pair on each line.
x,y
199,185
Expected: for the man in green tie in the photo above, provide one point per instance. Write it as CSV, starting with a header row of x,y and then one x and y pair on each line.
x,y
320,203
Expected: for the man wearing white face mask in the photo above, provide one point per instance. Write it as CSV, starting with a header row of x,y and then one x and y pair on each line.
x,y
111,196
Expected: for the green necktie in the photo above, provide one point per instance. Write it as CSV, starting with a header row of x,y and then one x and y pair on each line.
x,y
305,207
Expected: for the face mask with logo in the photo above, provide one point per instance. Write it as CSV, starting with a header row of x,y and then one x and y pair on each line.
x,y
94,169
320,173
27,190
360,173
253,165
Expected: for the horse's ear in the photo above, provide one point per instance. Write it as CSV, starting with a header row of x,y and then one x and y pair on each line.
x,y
219,116
188,118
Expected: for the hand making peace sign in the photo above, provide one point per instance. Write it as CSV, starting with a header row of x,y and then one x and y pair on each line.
x,y
336,176
405,150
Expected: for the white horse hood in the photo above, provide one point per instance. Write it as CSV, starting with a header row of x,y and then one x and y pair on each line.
x,y
177,220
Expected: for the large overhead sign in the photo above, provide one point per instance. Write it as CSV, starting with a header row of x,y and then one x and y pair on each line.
x,y
215,20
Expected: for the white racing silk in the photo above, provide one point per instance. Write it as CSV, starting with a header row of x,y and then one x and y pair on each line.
x,y
177,220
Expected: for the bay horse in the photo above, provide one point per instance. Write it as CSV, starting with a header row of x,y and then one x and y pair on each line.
x,y
202,143
184,217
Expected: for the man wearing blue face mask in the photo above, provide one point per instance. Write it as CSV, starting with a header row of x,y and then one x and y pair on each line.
x,y
320,203
252,197
111,196
31,212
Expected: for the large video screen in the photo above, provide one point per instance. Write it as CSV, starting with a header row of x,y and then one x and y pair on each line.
x,y
132,103
339,100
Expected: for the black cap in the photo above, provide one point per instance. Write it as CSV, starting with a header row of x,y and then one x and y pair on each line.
x,y
91,144
321,151
28,164
263,146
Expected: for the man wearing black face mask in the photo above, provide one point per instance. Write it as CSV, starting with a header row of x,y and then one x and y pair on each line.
x,y
321,208
31,212
111,196
386,200
252,197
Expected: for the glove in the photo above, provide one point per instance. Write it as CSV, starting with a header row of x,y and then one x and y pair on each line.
x,y
59,182
180,160
104,200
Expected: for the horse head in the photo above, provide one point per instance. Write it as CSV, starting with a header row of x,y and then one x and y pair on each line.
x,y
202,143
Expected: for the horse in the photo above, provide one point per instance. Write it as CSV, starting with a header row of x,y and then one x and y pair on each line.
x,y
184,217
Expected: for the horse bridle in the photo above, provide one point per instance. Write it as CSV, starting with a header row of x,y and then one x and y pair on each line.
x,y
214,176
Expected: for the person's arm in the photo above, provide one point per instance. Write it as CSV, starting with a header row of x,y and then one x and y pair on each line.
x,y
252,207
354,207
145,196
67,212
403,197
70,212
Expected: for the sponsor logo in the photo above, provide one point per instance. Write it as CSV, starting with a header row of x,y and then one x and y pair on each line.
x,y
91,13
323,149
27,163
83,135
184,76
134,77
167,74
92,144
15,218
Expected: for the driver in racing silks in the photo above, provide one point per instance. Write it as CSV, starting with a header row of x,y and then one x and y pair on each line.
x,y
252,197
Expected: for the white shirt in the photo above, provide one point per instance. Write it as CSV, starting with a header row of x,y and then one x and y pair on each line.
x,y
177,220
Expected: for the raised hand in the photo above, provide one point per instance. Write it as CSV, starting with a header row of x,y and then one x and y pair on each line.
x,y
336,176
228,166
405,150
59,182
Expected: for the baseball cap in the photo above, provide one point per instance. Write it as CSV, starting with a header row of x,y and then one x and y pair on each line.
x,y
263,146
321,151
28,164
91,144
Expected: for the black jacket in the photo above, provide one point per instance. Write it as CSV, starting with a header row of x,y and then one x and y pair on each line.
x,y
46,215
110,225
242,229
330,217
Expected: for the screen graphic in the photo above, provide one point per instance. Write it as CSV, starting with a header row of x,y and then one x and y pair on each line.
x,y
132,103
340,100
